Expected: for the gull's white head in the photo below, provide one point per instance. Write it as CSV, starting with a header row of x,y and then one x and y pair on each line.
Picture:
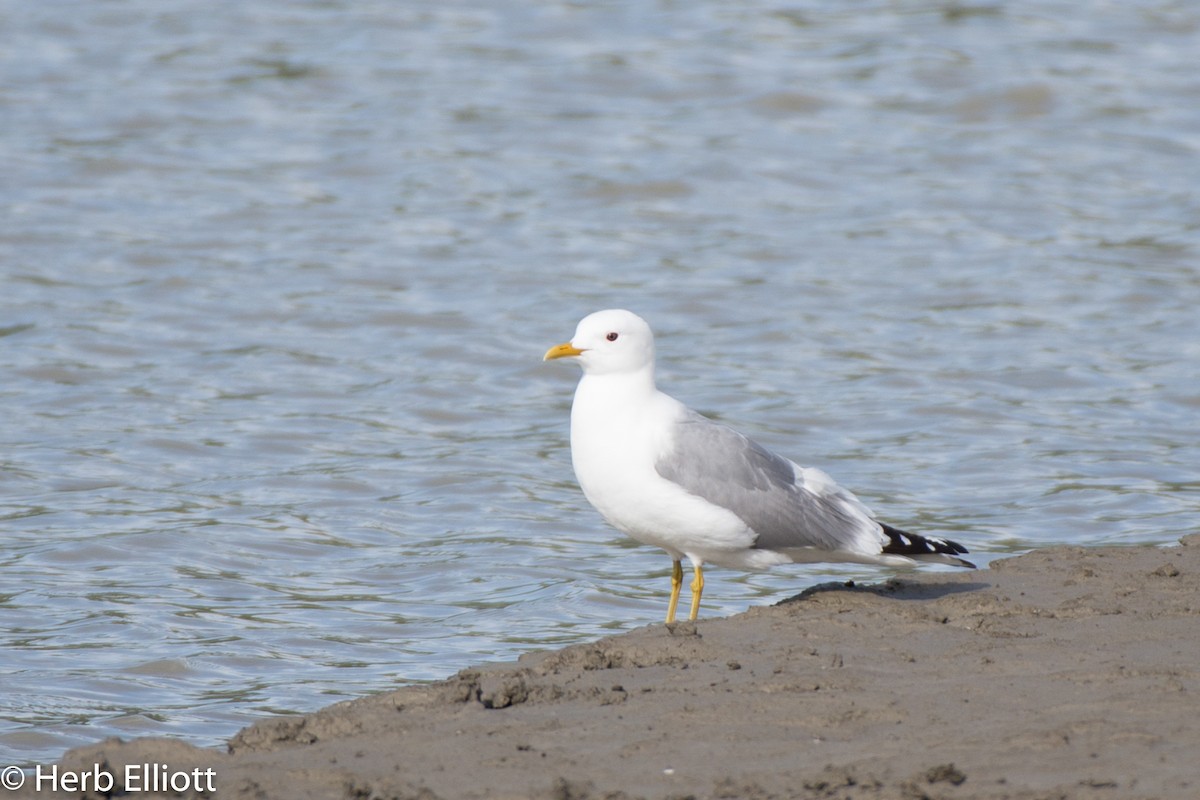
x,y
612,341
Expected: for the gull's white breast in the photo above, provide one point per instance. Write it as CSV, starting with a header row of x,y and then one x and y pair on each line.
x,y
616,440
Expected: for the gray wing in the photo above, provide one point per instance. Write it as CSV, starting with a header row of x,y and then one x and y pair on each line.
x,y
767,492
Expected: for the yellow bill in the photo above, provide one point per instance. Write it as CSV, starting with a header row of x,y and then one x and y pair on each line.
x,y
564,350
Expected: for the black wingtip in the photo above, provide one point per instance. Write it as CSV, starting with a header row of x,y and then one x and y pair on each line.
x,y
903,543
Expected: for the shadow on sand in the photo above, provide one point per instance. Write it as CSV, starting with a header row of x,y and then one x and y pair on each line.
x,y
894,588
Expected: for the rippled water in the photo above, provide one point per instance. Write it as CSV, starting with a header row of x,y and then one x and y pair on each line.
x,y
274,429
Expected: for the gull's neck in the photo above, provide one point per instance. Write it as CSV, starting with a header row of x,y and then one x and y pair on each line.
x,y
615,392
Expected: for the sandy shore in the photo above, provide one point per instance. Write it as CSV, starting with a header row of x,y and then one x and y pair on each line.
x,y
1064,673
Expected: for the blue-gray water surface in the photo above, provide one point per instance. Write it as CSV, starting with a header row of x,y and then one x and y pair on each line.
x,y
277,279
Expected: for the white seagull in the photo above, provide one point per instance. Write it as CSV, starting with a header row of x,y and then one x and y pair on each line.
x,y
669,477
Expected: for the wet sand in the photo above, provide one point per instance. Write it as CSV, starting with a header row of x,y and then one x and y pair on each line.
x,y
1063,673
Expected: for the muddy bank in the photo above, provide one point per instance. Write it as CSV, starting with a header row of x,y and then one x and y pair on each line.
x,y
1067,672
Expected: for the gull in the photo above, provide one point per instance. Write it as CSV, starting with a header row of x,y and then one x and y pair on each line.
x,y
669,477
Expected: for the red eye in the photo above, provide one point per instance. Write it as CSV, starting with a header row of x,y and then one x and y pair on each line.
x,y
612,337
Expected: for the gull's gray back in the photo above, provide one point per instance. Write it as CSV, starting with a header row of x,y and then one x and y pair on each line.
x,y
767,492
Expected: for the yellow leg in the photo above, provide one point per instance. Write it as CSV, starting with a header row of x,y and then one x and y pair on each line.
x,y
697,590
676,585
